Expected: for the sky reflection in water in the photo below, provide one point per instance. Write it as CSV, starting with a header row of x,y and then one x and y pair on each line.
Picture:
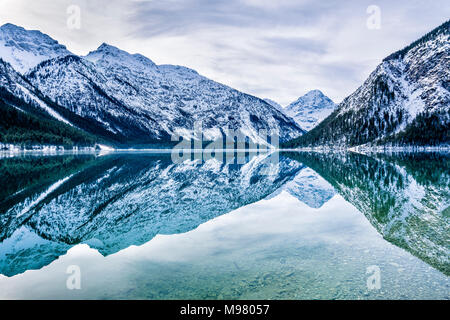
x,y
208,230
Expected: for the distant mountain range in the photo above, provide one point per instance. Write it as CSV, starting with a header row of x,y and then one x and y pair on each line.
x,y
50,96
308,110
127,100
405,101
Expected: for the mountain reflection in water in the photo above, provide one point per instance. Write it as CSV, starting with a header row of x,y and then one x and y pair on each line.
x,y
111,202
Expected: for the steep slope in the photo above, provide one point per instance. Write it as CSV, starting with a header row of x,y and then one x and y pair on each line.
x,y
310,109
274,104
27,118
138,102
78,86
14,84
404,101
25,49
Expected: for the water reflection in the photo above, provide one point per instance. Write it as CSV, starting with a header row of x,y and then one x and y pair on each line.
x,y
119,200
406,197
112,202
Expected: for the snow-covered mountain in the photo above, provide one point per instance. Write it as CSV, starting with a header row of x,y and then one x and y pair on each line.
x,y
406,100
129,100
121,200
76,84
24,49
274,104
28,119
310,109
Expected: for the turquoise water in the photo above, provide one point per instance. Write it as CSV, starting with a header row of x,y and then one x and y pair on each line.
x,y
284,226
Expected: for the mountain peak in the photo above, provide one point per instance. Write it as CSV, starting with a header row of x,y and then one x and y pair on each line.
x,y
24,49
17,33
107,54
108,48
15,29
310,109
10,26
315,92
313,97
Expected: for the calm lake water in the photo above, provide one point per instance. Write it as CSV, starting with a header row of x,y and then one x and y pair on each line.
x,y
278,226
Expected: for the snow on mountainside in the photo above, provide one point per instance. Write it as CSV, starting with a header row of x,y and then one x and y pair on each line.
x,y
128,100
75,84
29,120
178,96
24,49
13,83
404,101
275,104
310,109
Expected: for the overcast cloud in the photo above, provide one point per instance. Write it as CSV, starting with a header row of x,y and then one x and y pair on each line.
x,y
271,49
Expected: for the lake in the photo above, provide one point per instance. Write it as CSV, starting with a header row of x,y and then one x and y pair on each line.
x,y
290,225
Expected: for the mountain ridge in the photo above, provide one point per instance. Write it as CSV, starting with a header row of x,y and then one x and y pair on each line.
x,y
404,101
24,49
128,100
28,119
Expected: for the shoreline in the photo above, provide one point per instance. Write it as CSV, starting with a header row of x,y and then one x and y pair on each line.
x,y
55,150
380,149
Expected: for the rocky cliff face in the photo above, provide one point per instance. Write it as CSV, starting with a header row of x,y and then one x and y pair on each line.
x,y
29,120
14,85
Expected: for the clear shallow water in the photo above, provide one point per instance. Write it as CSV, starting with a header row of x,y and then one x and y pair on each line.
x,y
140,226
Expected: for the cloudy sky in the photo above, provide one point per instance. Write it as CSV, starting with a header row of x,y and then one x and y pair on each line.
x,y
268,48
